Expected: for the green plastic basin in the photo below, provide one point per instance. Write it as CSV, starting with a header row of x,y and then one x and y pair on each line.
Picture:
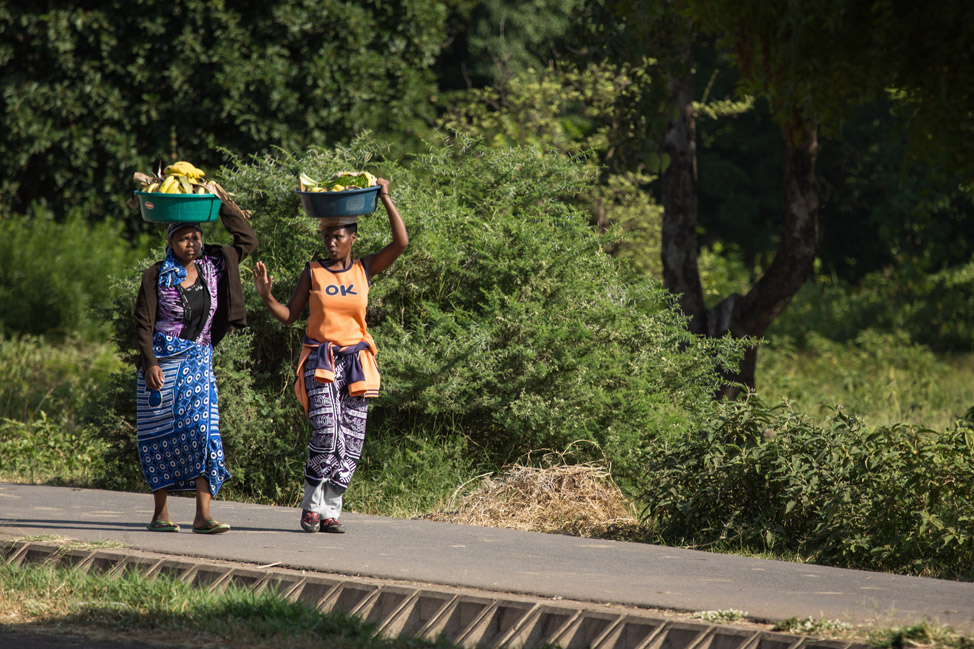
x,y
179,208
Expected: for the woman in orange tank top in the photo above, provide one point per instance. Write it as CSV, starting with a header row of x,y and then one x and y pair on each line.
x,y
337,372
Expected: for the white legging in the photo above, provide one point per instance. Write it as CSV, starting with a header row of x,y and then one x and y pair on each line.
x,y
324,499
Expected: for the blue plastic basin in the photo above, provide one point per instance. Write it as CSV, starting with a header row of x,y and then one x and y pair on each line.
x,y
351,202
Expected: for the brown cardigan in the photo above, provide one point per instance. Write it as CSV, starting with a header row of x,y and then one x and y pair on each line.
x,y
231,312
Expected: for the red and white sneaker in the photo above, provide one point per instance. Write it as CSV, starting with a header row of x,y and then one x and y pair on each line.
x,y
332,525
310,521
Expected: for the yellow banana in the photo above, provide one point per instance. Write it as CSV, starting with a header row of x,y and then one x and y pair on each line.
x,y
152,187
184,185
169,185
183,168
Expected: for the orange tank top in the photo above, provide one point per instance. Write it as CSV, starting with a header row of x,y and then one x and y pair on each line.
x,y
337,304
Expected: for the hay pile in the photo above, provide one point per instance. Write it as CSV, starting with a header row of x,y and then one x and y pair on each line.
x,y
577,499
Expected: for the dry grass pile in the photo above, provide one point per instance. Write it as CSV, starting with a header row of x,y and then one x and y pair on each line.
x,y
575,499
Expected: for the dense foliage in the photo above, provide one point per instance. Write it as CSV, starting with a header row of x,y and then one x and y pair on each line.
x,y
46,392
932,309
54,277
594,111
767,478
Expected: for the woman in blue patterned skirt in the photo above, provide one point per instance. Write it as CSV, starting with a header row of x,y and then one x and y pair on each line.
x,y
185,305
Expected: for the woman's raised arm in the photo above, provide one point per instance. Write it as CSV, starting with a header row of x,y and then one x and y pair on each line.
x,y
378,262
264,282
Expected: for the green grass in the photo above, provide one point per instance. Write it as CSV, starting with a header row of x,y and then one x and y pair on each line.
x,y
37,597
880,378
924,634
45,390
38,376
408,476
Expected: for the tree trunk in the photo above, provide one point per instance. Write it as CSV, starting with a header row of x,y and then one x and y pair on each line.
x,y
679,191
792,264
752,314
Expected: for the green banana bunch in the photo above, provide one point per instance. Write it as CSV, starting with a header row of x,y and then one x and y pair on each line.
x,y
338,182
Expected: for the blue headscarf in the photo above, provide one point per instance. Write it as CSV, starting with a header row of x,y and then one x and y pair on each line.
x,y
172,272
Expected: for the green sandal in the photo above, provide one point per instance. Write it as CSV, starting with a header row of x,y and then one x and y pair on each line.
x,y
212,527
162,526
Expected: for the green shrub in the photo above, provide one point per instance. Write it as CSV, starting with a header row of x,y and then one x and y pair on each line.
x,y
46,388
504,322
264,431
766,478
39,375
56,275
592,110
46,450
410,474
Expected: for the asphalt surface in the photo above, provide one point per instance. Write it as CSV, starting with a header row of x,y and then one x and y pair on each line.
x,y
497,560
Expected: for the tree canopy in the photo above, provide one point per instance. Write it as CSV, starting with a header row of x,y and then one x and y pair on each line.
x,y
822,58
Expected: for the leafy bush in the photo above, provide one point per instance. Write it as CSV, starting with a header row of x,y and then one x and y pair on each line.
x,y
893,498
411,473
56,275
503,328
504,322
46,450
38,375
596,111
46,387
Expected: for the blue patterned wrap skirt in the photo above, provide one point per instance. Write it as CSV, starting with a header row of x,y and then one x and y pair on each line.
x,y
179,426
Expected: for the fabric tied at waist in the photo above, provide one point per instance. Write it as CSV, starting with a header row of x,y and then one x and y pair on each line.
x,y
363,372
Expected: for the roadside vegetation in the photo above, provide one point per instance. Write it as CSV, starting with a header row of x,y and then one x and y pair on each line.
x,y
541,340
506,330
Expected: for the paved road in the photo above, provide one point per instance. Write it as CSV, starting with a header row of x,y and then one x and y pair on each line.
x,y
506,561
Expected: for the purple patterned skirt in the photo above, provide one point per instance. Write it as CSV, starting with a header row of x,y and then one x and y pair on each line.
x,y
337,425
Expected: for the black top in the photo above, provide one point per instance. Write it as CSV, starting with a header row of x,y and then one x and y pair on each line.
x,y
231,311
196,307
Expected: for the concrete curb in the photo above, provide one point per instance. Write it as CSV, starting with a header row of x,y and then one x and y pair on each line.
x,y
466,617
